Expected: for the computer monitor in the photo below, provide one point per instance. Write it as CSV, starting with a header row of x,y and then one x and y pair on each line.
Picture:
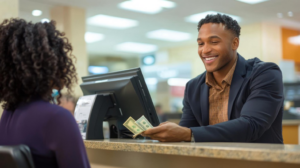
x,y
119,95
291,101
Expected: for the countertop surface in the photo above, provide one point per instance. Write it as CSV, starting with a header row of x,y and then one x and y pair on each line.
x,y
290,122
240,151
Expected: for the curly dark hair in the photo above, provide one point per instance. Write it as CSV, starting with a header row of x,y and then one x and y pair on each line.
x,y
34,59
230,24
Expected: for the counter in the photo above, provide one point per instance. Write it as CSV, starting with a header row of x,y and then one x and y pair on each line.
x,y
290,122
148,153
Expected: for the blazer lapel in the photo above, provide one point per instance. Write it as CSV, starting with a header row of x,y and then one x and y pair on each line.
x,y
204,101
237,81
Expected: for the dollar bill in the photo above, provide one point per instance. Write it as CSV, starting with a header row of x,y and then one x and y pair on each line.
x,y
133,127
144,123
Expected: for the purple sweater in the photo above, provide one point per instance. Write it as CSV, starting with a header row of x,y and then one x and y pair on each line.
x,y
49,130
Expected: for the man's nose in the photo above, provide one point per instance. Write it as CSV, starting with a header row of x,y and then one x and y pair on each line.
x,y
206,49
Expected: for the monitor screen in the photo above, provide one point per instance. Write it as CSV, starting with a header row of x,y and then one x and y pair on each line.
x,y
129,93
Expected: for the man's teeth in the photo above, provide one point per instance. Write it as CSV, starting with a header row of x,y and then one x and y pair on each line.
x,y
210,58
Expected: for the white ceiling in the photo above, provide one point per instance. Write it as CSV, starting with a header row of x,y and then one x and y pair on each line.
x,y
172,19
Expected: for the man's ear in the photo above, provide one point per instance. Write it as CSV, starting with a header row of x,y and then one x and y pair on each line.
x,y
235,43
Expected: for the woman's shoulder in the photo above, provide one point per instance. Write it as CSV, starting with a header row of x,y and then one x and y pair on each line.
x,y
44,109
53,117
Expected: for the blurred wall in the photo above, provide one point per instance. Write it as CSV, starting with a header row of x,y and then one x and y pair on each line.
x,y
290,51
71,20
114,63
261,40
185,54
271,43
8,9
188,54
251,41
177,55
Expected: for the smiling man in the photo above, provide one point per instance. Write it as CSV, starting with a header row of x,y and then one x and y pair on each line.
x,y
235,100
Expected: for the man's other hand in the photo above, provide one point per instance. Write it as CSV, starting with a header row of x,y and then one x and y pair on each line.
x,y
169,132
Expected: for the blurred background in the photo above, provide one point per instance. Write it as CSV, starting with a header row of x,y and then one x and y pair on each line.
x,y
160,37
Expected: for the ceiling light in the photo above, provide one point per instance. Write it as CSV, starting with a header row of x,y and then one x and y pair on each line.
x,y
98,69
290,14
147,6
136,47
45,20
295,40
279,15
36,12
148,60
111,22
91,37
177,81
197,17
252,1
168,35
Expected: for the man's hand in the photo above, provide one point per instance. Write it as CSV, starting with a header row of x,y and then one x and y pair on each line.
x,y
169,132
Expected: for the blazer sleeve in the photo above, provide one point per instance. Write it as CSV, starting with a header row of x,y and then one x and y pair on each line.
x,y
64,139
257,115
188,119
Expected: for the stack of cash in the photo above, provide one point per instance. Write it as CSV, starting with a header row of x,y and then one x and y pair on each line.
x,y
137,127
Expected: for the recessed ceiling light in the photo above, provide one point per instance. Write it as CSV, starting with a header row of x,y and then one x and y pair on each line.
x,y
290,14
147,6
197,17
295,40
136,47
148,60
36,12
252,1
168,35
279,15
91,37
97,69
45,20
111,22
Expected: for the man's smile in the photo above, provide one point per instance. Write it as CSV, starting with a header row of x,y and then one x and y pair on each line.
x,y
210,59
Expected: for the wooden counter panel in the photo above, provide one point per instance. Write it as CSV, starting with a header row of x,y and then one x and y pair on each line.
x,y
290,134
122,159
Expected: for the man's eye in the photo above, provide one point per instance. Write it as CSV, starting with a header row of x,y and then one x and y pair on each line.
x,y
215,42
200,44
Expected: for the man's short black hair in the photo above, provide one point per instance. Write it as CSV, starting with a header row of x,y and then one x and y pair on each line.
x,y
230,24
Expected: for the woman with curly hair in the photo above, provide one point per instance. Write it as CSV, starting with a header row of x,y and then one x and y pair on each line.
x,y
34,59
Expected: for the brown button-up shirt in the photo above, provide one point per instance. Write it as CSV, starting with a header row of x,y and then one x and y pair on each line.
x,y
218,97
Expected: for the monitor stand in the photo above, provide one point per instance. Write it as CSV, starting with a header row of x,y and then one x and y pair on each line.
x,y
104,108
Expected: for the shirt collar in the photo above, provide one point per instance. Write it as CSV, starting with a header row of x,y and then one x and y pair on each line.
x,y
211,82
228,77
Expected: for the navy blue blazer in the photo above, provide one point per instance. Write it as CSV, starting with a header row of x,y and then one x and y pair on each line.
x,y
255,105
